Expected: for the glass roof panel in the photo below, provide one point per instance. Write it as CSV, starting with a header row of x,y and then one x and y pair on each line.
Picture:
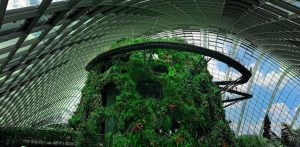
x,y
44,18
88,21
273,91
8,81
73,32
8,43
293,2
53,1
55,28
25,48
73,23
43,41
282,9
2,78
16,72
33,35
12,25
16,4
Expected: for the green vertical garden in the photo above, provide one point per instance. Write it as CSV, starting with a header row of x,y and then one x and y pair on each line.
x,y
151,98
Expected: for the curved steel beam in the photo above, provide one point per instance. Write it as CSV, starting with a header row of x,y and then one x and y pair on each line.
x,y
246,74
243,95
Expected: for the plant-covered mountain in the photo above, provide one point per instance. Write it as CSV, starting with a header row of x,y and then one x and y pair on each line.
x,y
152,98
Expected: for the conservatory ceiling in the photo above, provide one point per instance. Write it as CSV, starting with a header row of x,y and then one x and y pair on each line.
x,y
45,46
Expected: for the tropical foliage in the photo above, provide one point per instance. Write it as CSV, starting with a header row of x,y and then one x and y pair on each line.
x,y
161,100
289,136
14,136
255,141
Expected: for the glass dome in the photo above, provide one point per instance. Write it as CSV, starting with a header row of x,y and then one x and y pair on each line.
x,y
45,46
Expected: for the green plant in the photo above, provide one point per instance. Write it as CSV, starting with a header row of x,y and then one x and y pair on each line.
x,y
295,138
255,141
156,103
15,136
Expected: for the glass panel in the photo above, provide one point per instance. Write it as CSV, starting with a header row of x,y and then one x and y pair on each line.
x,y
57,37
2,78
88,21
45,18
22,75
33,35
31,54
29,67
143,1
53,1
4,55
12,25
8,81
72,24
25,48
15,4
293,2
8,43
125,1
282,9
73,32
43,41
55,29
15,59
16,72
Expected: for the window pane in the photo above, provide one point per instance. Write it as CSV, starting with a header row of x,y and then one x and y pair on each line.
x,y
15,4
33,35
8,43
55,29
293,2
12,25
53,1
4,55
22,49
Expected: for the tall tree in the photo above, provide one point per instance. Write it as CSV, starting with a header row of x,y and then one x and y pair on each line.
x,y
267,127
285,134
